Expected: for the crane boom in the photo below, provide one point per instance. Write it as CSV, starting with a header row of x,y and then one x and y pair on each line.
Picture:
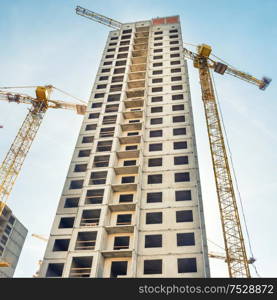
x,y
97,17
20,147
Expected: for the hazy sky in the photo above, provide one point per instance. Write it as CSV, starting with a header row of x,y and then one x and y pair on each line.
x,y
45,42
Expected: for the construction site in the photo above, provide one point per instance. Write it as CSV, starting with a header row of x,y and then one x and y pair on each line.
x,y
160,165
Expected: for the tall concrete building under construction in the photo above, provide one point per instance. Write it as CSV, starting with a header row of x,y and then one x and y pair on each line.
x,y
131,204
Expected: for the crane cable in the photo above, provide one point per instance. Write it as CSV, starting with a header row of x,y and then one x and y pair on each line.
x,y
234,174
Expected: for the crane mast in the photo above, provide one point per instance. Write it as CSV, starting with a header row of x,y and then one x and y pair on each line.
x,y
232,232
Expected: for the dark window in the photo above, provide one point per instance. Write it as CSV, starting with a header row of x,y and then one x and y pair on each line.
x,y
104,77
118,268
153,266
157,89
174,48
90,217
54,270
158,44
66,222
180,145
183,195
176,78
111,108
87,139
109,56
128,179
80,168
179,131
175,62
175,55
117,78
61,245
182,177
173,30
124,219
106,132
158,32
101,161
154,197
155,147
76,184
119,71
153,241
104,146
157,72
105,70
98,177
176,87
158,50
84,153
178,97
174,36
111,50
124,43
71,202
157,99
123,49
181,160
156,133
126,31
94,196
132,133
158,38
187,265
155,179
126,37
160,64
112,44
158,57
184,216
155,121
96,105
178,107
121,242
114,97
178,119
86,240
114,38
185,239
126,198
154,218
109,119
129,163
115,88
173,42
106,63
121,63
93,116
176,70
157,80
91,127
156,109
155,162
132,147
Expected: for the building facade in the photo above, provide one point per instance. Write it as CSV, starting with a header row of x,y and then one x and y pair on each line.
x,y
131,204
12,238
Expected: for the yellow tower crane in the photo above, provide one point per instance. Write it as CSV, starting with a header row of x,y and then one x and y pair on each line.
x,y
19,149
236,257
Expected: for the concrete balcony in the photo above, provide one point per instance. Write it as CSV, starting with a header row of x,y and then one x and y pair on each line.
x,y
131,126
139,60
120,228
126,170
143,40
138,53
134,103
138,68
140,47
133,139
136,84
136,76
143,34
117,253
125,187
135,93
128,154
132,114
122,206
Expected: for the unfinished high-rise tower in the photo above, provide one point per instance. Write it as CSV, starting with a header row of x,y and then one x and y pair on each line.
x,y
131,204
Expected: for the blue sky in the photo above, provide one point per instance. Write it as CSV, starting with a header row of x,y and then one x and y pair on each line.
x,y
45,42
